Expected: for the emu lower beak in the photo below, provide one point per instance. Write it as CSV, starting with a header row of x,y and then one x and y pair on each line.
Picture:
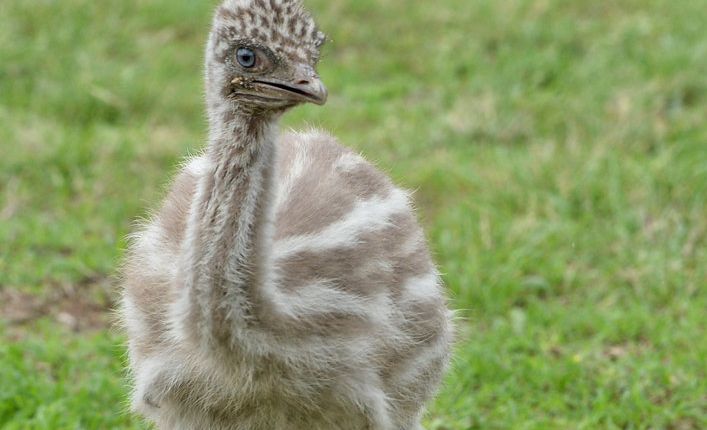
x,y
304,86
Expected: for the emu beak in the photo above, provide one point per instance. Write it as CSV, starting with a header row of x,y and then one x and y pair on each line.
x,y
304,86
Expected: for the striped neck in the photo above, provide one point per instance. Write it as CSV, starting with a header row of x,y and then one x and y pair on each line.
x,y
228,222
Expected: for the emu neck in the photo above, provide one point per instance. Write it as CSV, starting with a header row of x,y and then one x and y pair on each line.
x,y
230,218
239,142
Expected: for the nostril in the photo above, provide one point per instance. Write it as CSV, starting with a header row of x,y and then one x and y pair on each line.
x,y
303,82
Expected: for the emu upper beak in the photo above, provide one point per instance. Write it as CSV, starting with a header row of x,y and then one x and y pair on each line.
x,y
304,86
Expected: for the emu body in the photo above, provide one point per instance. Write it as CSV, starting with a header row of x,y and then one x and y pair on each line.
x,y
285,282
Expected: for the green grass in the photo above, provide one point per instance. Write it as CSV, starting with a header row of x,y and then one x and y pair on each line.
x,y
558,150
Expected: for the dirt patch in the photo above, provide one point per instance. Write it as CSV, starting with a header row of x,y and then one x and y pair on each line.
x,y
84,306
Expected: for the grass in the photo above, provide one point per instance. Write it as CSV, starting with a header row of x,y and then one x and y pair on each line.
x,y
558,150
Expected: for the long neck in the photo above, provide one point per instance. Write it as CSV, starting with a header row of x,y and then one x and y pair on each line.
x,y
228,223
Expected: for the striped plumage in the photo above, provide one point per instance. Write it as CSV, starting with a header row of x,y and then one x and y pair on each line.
x,y
285,282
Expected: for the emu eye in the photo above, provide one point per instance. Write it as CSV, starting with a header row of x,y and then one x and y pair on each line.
x,y
246,57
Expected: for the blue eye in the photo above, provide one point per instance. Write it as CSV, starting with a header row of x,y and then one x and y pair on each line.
x,y
246,57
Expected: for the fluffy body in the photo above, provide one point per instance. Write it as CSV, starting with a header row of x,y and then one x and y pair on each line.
x,y
285,282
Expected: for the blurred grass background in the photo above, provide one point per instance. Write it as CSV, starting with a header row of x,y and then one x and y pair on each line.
x,y
558,150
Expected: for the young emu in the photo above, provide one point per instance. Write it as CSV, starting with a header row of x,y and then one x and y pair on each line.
x,y
285,282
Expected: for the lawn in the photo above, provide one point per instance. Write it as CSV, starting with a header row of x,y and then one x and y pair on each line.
x,y
558,151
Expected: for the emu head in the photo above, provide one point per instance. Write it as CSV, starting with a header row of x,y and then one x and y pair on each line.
x,y
262,56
